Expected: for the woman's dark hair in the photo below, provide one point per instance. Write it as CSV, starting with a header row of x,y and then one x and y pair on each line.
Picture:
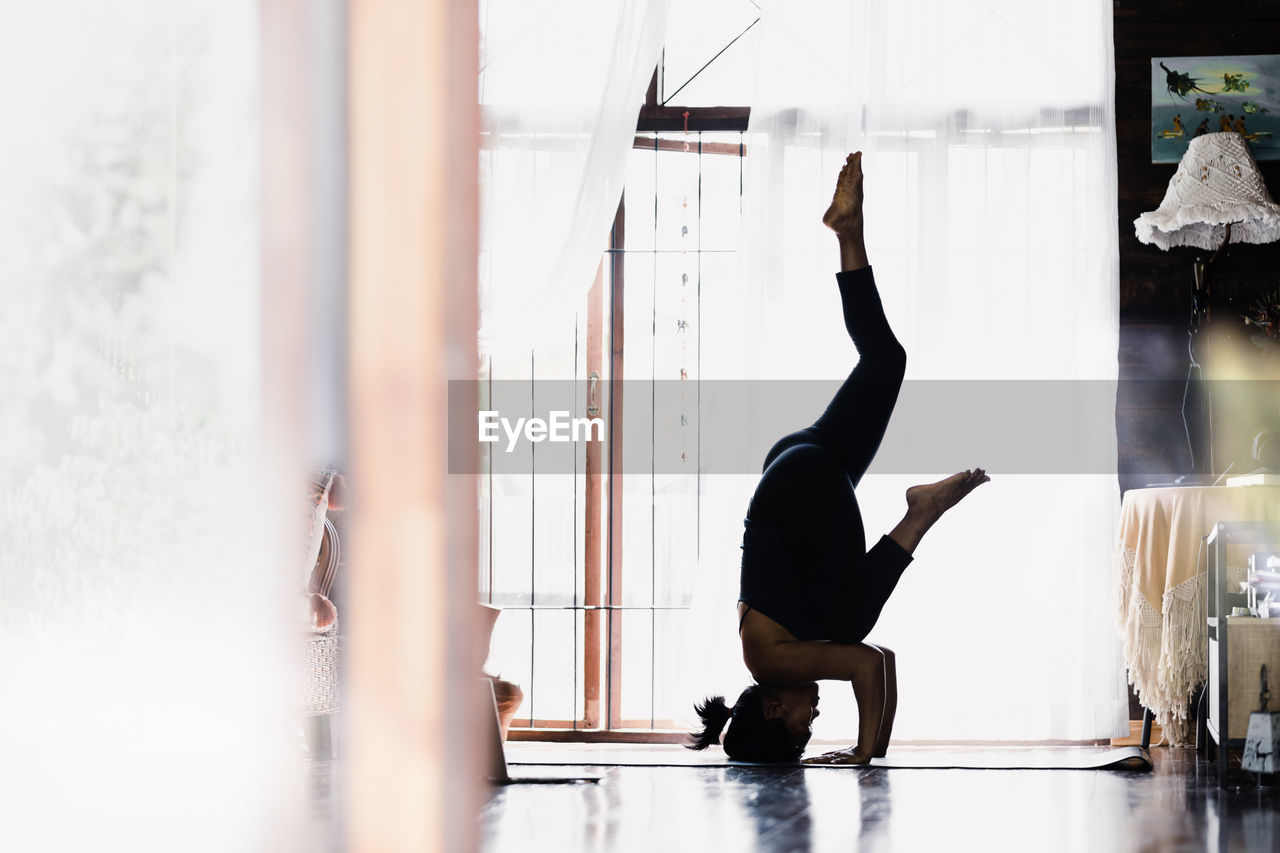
x,y
750,737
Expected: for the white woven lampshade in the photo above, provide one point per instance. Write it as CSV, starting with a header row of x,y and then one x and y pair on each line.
x,y
1217,183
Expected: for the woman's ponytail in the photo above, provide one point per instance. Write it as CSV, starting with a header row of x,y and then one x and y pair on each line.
x,y
714,713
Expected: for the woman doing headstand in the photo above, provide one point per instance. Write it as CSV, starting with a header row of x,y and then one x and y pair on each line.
x,y
810,589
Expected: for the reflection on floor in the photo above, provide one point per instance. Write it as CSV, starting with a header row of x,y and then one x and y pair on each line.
x,y
323,824
1176,807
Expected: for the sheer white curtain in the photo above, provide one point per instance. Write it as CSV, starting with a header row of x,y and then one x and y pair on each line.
x,y
561,84
990,159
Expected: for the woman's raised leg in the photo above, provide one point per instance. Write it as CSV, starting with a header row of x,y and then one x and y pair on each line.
x,y
854,422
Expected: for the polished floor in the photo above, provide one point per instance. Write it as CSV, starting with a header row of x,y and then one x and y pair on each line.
x,y
1176,807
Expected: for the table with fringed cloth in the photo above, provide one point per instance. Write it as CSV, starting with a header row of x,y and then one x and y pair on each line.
x,y
1160,570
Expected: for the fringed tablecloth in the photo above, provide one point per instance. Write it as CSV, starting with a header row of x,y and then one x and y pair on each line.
x,y
1160,610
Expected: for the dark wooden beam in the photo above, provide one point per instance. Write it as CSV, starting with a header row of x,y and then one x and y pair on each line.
x,y
655,118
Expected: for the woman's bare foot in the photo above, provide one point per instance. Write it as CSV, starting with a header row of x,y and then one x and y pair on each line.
x,y
844,216
926,504
840,757
933,499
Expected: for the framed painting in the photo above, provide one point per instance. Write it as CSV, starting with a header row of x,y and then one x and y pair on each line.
x,y
1194,95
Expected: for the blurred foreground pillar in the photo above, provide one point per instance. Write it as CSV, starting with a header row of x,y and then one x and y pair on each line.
x,y
412,757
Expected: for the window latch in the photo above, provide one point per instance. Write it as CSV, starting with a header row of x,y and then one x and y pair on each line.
x,y
593,383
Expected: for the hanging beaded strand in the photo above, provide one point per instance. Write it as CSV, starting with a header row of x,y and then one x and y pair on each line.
x,y
682,324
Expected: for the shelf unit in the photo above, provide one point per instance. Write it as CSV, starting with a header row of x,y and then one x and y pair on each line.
x,y
1218,604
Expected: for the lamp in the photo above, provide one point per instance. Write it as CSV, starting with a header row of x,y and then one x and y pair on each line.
x,y
1216,197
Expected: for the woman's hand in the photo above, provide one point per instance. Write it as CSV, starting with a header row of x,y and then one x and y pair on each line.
x,y
852,755
323,613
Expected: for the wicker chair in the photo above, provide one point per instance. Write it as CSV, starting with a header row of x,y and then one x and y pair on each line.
x,y
321,654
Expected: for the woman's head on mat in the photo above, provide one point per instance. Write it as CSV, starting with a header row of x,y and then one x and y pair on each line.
x,y
766,724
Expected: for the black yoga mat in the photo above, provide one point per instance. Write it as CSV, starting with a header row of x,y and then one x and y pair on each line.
x,y
903,757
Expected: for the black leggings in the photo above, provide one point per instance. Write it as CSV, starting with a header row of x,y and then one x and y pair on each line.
x,y
832,587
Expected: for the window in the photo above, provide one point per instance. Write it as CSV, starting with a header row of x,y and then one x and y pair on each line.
x,y
591,551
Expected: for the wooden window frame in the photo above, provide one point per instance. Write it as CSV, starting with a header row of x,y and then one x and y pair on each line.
x,y
602,718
